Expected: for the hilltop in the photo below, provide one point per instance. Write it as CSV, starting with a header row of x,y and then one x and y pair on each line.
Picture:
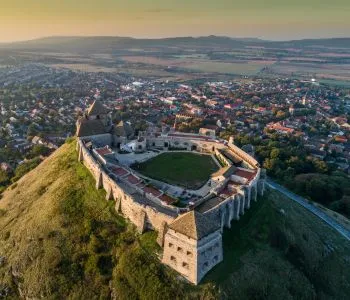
x,y
60,238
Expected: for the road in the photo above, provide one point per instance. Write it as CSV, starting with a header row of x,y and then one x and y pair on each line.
x,y
315,210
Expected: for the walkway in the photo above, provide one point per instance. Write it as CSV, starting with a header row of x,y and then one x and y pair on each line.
x,y
315,210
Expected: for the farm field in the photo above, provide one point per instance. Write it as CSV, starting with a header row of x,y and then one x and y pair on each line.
x,y
326,71
244,68
188,170
197,62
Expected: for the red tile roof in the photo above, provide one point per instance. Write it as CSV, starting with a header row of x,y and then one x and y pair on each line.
x,y
151,190
167,199
132,179
119,171
104,151
228,192
245,174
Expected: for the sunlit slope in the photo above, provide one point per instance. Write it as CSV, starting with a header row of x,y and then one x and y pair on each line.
x,y
60,239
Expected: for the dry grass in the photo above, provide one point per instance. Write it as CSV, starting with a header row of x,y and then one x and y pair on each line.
x,y
45,217
59,238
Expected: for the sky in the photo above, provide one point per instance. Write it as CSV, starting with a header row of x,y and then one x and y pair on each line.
x,y
267,19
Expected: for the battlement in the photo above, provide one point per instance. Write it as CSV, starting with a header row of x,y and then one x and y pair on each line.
x,y
191,236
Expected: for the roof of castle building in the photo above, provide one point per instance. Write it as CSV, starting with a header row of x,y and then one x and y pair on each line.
x,y
194,225
97,108
123,129
225,171
230,155
90,127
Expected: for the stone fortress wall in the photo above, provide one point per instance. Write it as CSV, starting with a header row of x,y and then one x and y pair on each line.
x,y
191,258
148,212
142,215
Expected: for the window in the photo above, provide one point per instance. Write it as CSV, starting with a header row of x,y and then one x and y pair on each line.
x,y
216,258
171,245
206,264
189,253
185,265
173,259
179,249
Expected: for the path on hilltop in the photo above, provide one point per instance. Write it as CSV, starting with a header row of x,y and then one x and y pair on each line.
x,y
315,210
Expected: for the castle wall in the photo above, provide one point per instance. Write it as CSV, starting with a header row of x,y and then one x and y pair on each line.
x,y
184,143
209,254
253,163
101,139
222,158
143,216
193,259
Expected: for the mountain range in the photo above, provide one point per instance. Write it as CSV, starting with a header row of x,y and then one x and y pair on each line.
x,y
210,42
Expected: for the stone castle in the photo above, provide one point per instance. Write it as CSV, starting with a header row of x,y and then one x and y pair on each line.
x,y
191,236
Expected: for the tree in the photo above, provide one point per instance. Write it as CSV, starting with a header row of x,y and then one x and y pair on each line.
x,y
25,167
39,150
320,166
4,178
275,153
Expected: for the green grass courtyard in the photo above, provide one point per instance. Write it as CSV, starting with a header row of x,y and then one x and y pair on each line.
x,y
188,170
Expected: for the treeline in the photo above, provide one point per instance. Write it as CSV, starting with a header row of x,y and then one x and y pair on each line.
x,y
32,160
288,162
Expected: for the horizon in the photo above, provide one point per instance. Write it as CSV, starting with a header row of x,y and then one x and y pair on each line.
x,y
172,37
22,20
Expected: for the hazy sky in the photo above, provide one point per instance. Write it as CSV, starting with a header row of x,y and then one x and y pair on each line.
x,y
269,19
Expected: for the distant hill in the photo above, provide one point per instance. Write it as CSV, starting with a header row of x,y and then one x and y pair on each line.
x,y
60,238
110,44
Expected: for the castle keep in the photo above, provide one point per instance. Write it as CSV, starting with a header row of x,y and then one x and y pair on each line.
x,y
191,236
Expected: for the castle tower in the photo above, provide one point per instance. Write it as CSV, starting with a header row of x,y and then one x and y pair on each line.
x,y
95,121
193,245
97,111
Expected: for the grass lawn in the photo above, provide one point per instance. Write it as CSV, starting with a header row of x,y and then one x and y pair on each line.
x,y
188,170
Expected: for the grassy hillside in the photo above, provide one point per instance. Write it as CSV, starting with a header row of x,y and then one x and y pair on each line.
x,y
278,250
60,238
